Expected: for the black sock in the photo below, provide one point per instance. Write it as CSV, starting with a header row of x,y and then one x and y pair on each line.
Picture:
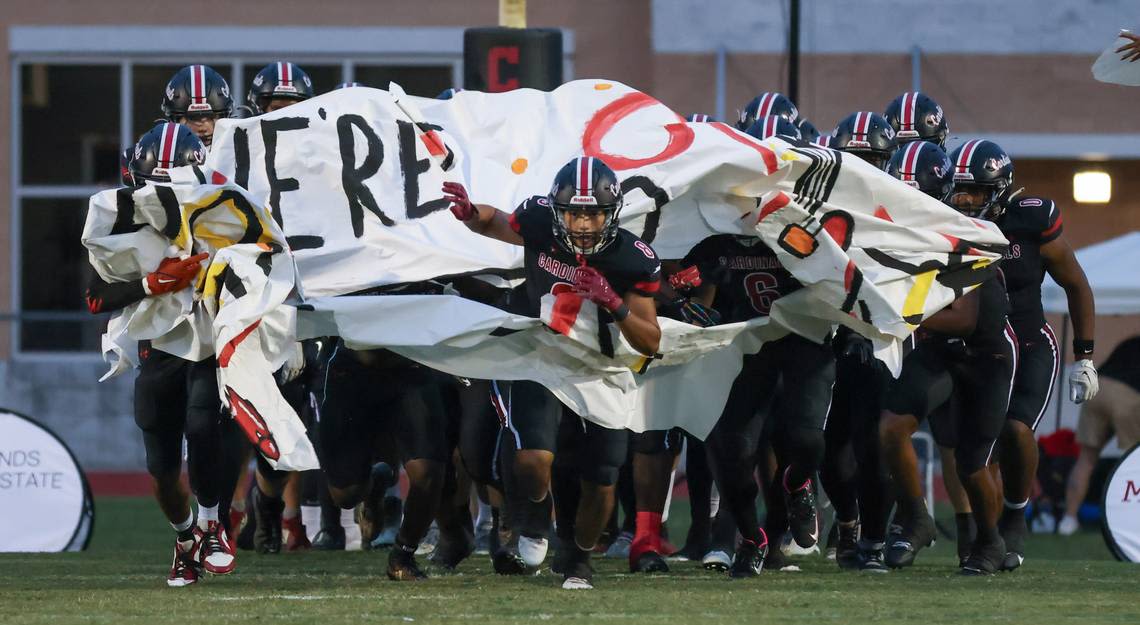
x,y
967,530
987,534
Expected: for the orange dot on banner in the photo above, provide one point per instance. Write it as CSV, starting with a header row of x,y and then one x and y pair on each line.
x,y
519,165
602,86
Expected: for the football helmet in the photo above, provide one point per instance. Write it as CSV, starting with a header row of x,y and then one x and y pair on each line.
x,y
915,116
767,103
196,89
771,126
924,166
585,185
983,179
867,135
281,79
162,148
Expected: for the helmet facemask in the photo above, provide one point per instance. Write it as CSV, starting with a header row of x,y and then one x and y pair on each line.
x,y
980,200
569,220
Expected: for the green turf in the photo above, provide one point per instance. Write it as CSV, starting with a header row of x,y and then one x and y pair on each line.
x,y
120,580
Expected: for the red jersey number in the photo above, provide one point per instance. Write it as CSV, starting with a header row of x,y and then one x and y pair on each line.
x,y
762,290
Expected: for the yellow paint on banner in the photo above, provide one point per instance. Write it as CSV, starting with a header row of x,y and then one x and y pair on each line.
x,y
915,304
602,86
519,165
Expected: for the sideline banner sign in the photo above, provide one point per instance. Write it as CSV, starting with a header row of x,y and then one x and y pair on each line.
x,y
45,502
1121,502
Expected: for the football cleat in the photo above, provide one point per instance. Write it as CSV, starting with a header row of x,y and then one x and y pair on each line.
x,y
214,550
619,548
914,537
402,566
533,550
294,533
717,560
453,548
802,520
267,512
649,562
1013,530
847,545
507,560
329,539
430,540
870,559
578,575
749,559
184,570
985,559
778,560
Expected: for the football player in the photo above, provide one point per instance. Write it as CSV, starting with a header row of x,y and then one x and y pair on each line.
x,y
573,246
983,189
767,103
915,116
175,397
197,96
278,85
866,135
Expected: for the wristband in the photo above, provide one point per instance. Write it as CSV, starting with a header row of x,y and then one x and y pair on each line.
x,y
620,313
1082,347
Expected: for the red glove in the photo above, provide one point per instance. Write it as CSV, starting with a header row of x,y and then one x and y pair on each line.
x,y
685,279
592,285
461,205
173,274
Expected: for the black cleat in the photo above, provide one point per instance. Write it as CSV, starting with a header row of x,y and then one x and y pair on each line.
x,y
402,565
329,539
1013,530
649,562
267,512
985,559
507,560
914,537
802,520
749,559
847,545
871,560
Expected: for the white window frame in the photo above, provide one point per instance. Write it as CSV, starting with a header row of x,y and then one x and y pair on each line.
x,y
235,46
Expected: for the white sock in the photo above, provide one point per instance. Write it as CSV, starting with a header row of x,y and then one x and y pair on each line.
x,y
311,517
1015,506
348,517
484,517
207,514
185,525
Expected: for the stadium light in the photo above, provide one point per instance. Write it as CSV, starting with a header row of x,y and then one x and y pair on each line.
x,y
1092,187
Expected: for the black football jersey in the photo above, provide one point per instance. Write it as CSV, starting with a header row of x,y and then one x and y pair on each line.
x,y
990,334
748,275
1028,223
628,263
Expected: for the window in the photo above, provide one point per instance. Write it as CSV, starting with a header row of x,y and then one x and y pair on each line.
x,y
70,125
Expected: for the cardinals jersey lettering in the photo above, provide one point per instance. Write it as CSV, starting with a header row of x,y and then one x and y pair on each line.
x,y
1028,223
748,275
628,263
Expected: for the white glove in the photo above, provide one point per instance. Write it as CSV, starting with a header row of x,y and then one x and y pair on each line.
x,y
1083,383
295,364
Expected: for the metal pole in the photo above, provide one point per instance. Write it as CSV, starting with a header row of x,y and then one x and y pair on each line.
x,y
721,53
916,69
794,51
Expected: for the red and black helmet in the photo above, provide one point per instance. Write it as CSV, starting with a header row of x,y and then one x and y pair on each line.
x,y
281,79
915,116
162,148
866,135
924,166
585,184
982,164
767,103
196,89
771,126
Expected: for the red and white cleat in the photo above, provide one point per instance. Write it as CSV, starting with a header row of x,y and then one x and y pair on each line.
x,y
295,537
184,571
215,551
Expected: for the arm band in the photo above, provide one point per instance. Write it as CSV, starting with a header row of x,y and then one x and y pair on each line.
x,y
620,313
1082,347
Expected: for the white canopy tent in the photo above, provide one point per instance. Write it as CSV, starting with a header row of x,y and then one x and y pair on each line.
x,y
1113,270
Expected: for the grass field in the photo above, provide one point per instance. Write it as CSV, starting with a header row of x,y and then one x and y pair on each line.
x,y
120,580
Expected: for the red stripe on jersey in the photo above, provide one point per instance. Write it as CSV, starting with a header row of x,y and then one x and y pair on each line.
x,y
513,222
232,344
766,153
1052,229
648,286
565,312
166,147
781,200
